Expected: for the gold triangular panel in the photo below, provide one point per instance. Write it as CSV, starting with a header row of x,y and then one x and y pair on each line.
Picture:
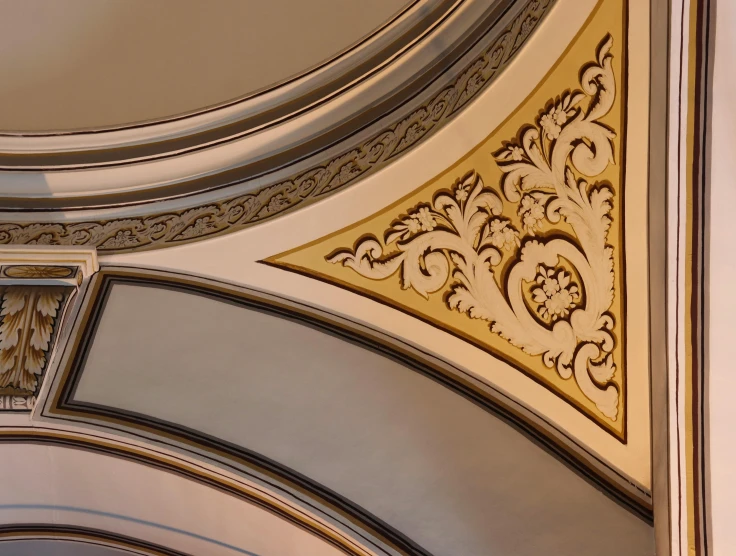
x,y
518,248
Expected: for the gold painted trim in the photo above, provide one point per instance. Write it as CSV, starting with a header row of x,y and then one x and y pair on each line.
x,y
30,317
26,271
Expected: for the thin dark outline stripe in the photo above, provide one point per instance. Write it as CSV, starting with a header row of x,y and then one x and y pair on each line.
x,y
697,309
227,103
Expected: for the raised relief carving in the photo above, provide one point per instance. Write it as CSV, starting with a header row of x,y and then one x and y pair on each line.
x,y
228,215
549,294
36,285
37,271
17,403
29,316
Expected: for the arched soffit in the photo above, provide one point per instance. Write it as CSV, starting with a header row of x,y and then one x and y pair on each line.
x,y
272,153
63,540
324,409
78,492
550,305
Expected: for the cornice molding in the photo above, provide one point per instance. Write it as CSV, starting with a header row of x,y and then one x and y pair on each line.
x,y
347,163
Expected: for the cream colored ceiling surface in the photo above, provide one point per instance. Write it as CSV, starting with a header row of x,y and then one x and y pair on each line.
x,y
268,153
89,63
173,364
550,68
402,309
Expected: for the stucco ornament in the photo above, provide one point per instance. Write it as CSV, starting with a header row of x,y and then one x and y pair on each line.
x,y
558,291
28,318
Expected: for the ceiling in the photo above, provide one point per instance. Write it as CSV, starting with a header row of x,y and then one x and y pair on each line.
x,y
36,547
387,307
97,63
361,424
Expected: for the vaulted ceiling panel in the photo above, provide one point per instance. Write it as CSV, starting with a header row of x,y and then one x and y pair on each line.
x,y
294,399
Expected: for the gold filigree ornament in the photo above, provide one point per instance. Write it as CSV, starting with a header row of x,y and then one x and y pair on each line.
x,y
558,290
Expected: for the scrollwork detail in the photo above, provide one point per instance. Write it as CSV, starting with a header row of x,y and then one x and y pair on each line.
x,y
462,238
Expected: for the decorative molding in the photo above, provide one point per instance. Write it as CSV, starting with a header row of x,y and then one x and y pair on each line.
x,y
82,258
229,215
25,271
17,403
89,536
320,525
29,319
36,284
518,247
559,291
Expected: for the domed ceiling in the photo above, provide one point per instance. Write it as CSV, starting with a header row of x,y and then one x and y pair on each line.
x,y
83,64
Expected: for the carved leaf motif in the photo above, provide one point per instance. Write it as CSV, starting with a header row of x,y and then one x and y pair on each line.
x,y
462,235
27,318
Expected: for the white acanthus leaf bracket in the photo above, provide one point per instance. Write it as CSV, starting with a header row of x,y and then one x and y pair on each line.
x,y
37,283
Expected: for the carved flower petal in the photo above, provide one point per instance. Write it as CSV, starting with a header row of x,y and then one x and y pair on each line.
x,y
539,295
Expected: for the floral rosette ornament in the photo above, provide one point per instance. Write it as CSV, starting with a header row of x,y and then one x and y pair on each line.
x,y
462,236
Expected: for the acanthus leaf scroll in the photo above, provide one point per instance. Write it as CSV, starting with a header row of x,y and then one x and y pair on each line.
x,y
29,316
462,237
